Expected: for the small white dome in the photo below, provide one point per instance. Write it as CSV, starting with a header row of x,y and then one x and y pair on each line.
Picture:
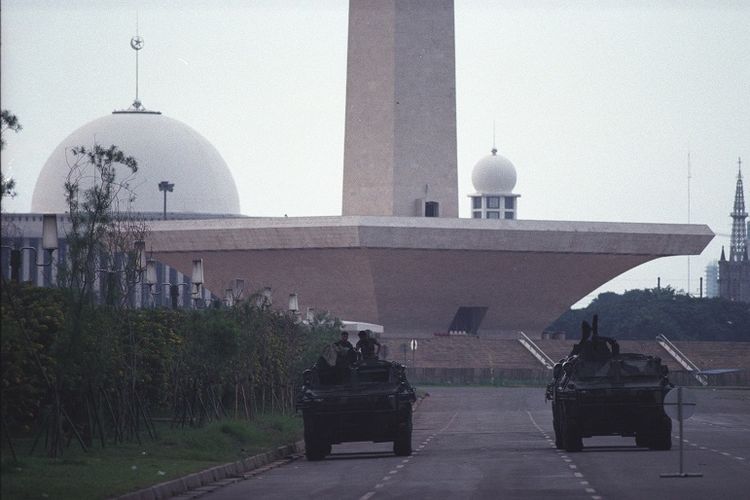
x,y
166,150
494,174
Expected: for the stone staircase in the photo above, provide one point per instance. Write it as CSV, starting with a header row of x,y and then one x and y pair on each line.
x,y
487,353
462,352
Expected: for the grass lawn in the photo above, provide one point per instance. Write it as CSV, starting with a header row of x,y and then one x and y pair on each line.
x,y
114,470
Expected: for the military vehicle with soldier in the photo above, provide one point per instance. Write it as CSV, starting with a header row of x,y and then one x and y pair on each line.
x,y
599,391
351,395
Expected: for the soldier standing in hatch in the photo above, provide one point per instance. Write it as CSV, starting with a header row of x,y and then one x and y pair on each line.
x,y
345,356
367,346
345,349
343,342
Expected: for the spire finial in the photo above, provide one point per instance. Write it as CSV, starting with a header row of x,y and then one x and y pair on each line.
x,y
136,43
494,146
739,167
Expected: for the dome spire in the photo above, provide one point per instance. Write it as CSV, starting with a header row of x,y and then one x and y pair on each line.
x,y
494,146
136,43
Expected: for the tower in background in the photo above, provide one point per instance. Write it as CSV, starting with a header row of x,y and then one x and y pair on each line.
x,y
712,279
494,178
734,274
400,156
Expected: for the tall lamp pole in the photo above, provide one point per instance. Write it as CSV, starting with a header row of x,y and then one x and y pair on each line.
x,y
166,187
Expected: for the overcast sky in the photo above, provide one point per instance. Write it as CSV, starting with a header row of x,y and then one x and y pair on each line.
x,y
597,104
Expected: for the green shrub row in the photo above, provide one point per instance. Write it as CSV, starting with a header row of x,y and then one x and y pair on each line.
x,y
106,376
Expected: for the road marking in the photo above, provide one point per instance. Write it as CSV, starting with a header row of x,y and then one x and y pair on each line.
x,y
406,460
379,485
392,471
534,422
567,459
724,453
399,466
367,495
448,424
386,478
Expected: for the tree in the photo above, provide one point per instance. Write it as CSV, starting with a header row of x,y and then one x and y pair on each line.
x,y
644,314
8,121
100,243
94,192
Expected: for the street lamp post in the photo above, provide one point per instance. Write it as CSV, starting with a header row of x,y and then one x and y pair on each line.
x,y
165,186
233,294
49,243
174,288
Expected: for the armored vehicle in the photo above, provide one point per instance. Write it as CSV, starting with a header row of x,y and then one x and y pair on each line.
x,y
365,400
599,391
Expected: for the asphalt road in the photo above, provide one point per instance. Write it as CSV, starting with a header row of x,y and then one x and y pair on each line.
x,y
498,443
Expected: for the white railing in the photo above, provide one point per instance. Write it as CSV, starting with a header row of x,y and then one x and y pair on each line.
x,y
536,351
683,360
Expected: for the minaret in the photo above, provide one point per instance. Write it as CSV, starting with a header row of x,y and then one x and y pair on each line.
x,y
738,244
400,136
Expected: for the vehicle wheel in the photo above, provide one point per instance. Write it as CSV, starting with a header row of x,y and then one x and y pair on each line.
x,y
642,440
402,443
572,440
558,431
662,440
315,450
402,446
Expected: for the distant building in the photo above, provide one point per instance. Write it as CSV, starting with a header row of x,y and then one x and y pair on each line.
x,y
166,150
734,273
180,175
712,279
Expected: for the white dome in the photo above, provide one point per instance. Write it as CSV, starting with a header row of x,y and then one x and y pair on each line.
x,y
166,150
494,174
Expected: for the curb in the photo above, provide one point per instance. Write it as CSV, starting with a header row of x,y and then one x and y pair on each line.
x,y
200,483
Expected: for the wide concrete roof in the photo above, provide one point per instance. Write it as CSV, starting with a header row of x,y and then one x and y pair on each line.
x,y
412,274
432,233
